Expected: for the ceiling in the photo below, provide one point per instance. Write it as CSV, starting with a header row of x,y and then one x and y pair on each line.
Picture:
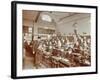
x,y
31,15
59,16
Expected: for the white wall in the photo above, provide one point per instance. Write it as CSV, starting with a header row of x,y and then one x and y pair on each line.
x,y
5,40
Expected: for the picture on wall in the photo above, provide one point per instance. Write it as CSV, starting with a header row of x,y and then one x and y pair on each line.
x,y
53,39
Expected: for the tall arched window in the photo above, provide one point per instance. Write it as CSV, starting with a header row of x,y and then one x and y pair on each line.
x,y
46,17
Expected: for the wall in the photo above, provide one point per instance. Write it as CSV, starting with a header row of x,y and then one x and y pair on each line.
x,y
5,40
83,24
27,23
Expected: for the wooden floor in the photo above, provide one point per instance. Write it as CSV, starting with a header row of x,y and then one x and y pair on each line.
x,y
28,64
43,61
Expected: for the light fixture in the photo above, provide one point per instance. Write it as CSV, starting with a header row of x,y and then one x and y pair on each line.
x,y
75,25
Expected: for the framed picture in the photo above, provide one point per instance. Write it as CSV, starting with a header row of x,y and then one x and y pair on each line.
x,y
50,39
